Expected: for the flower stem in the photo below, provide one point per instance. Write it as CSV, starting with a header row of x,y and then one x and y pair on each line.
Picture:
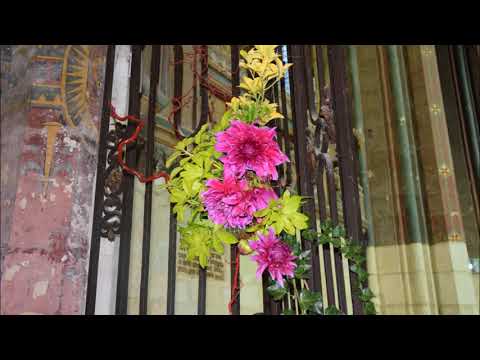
x,y
296,296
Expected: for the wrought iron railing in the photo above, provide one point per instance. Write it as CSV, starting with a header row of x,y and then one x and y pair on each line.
x,y
316,133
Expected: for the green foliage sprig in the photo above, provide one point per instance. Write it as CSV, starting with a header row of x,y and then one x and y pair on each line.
x,y
310,302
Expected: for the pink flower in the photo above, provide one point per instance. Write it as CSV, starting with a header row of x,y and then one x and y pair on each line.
x,y
232,203
248,147
274,255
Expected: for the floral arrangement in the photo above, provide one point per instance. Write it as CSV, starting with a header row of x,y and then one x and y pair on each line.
x,y
220,187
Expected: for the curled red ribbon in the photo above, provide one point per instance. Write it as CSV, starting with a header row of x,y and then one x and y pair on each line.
x,y
131,139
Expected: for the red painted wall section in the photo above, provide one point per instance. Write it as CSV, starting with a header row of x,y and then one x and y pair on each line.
x,y
49,159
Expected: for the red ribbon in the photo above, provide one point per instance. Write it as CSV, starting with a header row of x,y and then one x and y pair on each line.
x,y
140,125
235,289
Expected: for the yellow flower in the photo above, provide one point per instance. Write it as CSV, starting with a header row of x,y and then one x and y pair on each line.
x,y
253,86
267,52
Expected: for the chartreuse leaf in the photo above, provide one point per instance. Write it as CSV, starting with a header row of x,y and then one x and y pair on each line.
x,y
225,237
283,214
172,158
181,145
196,240
175,172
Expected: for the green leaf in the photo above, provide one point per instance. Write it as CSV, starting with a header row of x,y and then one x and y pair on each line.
x,y
177,196
369,309
198,136
225,237
181,145
302,271
276,291
289,239
175,171
338,231
288,312
172,158
366,294
291,204
309,235
179,209
332,310
305,254
223,123
262,213
308,299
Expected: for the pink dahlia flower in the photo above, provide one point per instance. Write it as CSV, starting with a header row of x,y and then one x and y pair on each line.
x,y
232,203
249,147
274,255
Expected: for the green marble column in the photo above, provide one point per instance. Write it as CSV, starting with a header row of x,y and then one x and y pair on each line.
x,y
412,192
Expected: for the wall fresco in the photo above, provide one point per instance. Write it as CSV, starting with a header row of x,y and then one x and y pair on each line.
x,y
54,126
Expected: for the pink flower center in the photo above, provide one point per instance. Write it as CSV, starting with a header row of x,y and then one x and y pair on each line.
x,y
249,149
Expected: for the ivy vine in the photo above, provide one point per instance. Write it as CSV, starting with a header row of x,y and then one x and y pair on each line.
x,y
302,299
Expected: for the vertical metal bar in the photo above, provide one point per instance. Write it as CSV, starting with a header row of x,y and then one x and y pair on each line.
x,y
314,115
267,303
468,107
172,236
178,88
303,165
172,261
474,67
285,131
100,185
128,183
235,71
202,273
332,191
345,150
453,100
337,256
150,140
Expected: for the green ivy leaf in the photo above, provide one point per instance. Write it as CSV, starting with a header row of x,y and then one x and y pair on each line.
x,y
369,309
309,235
332,310
366,294
338,231
277,292
307,299
302,271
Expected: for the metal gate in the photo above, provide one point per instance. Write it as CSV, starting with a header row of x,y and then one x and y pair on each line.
x,y
316,133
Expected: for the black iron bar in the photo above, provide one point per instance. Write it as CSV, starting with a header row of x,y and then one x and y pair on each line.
x,y
172,262
285,130
318,166
303,163
172,236
315,117
337,255
128,187
202,273
346,154
147,212
100,185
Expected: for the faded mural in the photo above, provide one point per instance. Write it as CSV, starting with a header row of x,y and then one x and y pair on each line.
x,y
51,99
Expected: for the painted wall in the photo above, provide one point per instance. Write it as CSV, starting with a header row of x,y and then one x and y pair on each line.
x,y
51,103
